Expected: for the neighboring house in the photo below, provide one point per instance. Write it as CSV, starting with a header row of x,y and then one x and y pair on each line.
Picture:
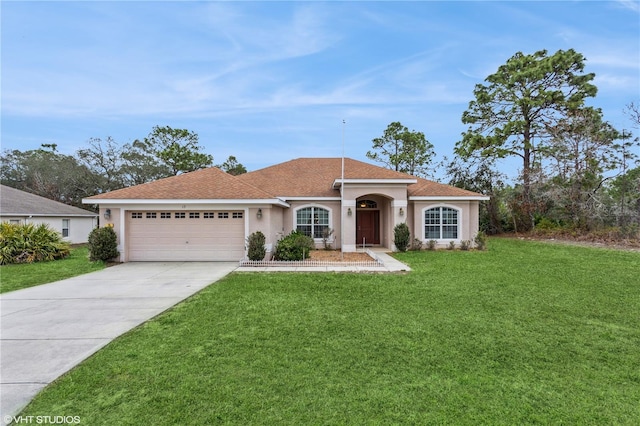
x,y
208,214
73,223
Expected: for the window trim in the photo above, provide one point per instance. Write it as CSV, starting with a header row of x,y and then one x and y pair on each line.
x,y
458,211
314,206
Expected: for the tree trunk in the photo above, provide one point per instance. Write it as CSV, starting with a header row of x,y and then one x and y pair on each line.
x,y
526,186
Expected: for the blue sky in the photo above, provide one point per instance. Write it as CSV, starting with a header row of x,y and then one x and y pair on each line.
x,y
272,81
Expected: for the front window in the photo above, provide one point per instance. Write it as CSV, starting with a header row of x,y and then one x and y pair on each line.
x,y
441,223
312,221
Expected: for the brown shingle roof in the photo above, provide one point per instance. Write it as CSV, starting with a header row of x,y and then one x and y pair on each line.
x,y
314,177
205,184
428,188
302,177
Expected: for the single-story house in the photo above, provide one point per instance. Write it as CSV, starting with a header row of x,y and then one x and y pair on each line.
x,y
73,223
207,214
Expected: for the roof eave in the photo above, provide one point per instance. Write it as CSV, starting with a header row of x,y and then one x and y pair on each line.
x,y
449,198
309,198
217,201
49,214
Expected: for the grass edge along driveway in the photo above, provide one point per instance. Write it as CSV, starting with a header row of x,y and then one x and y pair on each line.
x,y
18,276
526,332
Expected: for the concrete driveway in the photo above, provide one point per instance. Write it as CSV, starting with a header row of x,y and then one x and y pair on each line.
x,y
48,329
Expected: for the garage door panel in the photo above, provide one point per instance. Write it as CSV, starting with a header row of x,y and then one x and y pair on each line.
x,y
186,239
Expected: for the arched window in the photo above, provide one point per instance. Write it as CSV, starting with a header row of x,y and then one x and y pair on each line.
x,y
367,204
312,221
441,223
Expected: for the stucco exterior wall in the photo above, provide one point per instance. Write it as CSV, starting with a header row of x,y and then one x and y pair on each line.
x,y
79,226
277,221
114,221
270,224
468,219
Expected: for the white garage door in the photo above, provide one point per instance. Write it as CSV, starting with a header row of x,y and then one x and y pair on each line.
x,y
185,235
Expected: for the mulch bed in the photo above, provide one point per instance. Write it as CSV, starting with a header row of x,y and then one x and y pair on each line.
x,y
334,256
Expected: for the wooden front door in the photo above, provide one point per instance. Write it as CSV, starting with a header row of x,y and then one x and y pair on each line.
x,y
367,227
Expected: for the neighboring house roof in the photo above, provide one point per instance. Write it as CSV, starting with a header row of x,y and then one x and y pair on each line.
x,y
302,177
14,202
204,184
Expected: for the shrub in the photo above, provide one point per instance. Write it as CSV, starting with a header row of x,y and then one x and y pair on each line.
x,y
465,245
452,245
103,244
326,236
401,236
416,245
480,240
630,231
256,249
295,246
431,244
546,224
28,243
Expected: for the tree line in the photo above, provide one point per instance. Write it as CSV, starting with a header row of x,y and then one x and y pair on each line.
x,y
105,165
577,171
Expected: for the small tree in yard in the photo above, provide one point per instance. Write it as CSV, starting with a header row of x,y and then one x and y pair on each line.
x,y
103,244
256,250
326,238
401,236
480,240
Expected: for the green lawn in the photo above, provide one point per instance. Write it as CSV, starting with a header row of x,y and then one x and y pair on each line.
x,y
525,333
15,277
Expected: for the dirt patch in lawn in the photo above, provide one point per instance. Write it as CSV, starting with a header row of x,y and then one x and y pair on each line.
x,y
582,240
334,256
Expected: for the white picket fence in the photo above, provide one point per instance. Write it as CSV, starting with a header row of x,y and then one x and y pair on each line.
x,y
373,263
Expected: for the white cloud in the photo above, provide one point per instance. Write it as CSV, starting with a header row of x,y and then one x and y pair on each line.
x,y
632,5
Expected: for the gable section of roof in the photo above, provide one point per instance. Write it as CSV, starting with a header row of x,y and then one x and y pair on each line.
x,y
428,188
16,202
205,184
